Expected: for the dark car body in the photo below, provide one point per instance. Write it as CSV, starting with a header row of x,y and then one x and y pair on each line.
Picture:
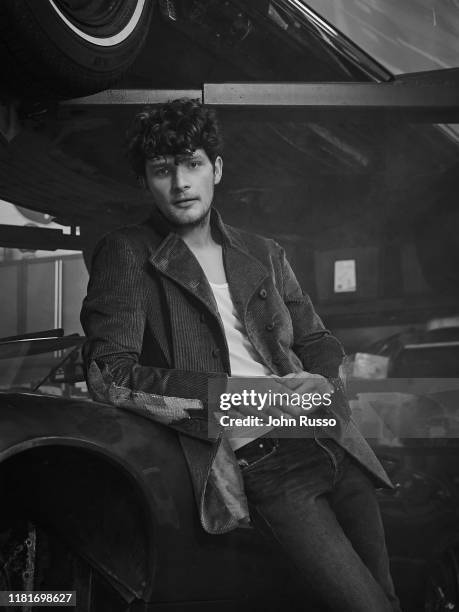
x,y
102,503
113,488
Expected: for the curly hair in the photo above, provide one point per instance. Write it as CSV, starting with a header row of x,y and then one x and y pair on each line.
x,y
177,127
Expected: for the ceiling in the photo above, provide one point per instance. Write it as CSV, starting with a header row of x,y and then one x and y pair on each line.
x,y
357,180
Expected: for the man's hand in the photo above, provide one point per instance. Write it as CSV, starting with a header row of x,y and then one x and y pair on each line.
x,y
291,395
305,382
312,389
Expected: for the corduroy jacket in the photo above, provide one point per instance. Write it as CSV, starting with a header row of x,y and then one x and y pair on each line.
x,y
155,339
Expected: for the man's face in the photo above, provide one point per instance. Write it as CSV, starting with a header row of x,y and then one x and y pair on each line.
x,y
183,185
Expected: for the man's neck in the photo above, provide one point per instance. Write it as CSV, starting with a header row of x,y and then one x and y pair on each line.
x,y
197,237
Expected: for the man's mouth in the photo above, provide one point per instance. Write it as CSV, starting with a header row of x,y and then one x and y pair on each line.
x,y
184,201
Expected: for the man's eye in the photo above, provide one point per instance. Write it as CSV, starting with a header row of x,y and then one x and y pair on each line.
x,y
194,163
161,172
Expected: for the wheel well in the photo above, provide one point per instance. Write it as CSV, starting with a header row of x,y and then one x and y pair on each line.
x,y
90,501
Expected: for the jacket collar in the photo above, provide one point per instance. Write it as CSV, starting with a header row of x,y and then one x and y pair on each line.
x,y
164,227
174,259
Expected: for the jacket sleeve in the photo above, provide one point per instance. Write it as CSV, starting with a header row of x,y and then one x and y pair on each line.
x,y
318,350
114,318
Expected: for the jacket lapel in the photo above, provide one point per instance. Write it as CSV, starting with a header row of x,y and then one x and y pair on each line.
x,y
245,275
244,272
175,260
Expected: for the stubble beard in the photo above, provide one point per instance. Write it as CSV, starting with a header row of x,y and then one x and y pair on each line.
x,y
196,223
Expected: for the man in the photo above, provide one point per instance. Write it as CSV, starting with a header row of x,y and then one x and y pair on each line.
x,y
184,301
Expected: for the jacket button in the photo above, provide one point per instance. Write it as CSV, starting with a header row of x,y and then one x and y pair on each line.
x,y
269,327
216,352
263,294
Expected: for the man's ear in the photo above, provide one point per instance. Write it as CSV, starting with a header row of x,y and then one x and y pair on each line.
x,y
218,169
142,182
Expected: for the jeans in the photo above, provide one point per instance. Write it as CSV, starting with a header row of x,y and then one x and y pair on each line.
x,y
321,507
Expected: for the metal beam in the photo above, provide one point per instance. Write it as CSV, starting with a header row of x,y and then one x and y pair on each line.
x,y
38,238
400,94
433,98
135,96
448,77
407,101
388,96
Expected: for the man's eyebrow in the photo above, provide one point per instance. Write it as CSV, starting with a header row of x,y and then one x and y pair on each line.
x,y
188,155
159,161
166,160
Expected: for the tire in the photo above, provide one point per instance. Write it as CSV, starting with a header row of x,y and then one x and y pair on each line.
x,y
67,48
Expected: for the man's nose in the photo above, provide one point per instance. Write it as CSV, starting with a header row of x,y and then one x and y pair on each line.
x,y
181,178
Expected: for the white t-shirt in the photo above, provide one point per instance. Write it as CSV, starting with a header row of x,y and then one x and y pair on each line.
x,y
244,360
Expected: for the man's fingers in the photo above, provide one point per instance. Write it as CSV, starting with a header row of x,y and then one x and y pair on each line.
x,y
274,411
249,410
302,374
311,383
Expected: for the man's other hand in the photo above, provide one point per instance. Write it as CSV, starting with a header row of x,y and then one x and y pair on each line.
x,y
305,382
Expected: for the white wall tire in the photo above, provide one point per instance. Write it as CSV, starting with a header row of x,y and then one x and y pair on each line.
x,y
66,48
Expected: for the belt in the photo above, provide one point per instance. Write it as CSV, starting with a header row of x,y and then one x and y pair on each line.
x,y
263,446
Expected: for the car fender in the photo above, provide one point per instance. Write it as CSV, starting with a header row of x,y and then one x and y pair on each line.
x,y
113,484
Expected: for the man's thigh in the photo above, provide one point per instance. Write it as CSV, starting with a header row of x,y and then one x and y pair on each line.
x,y
355,505
289,496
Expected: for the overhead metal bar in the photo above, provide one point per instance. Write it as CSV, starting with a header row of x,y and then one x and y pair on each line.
x,y
447,77
135,96
389,96
38,238
408,100
433,98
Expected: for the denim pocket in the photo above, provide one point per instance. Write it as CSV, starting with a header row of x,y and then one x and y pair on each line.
x,y
255,459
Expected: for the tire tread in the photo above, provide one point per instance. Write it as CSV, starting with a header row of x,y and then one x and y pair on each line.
x,y
33,64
